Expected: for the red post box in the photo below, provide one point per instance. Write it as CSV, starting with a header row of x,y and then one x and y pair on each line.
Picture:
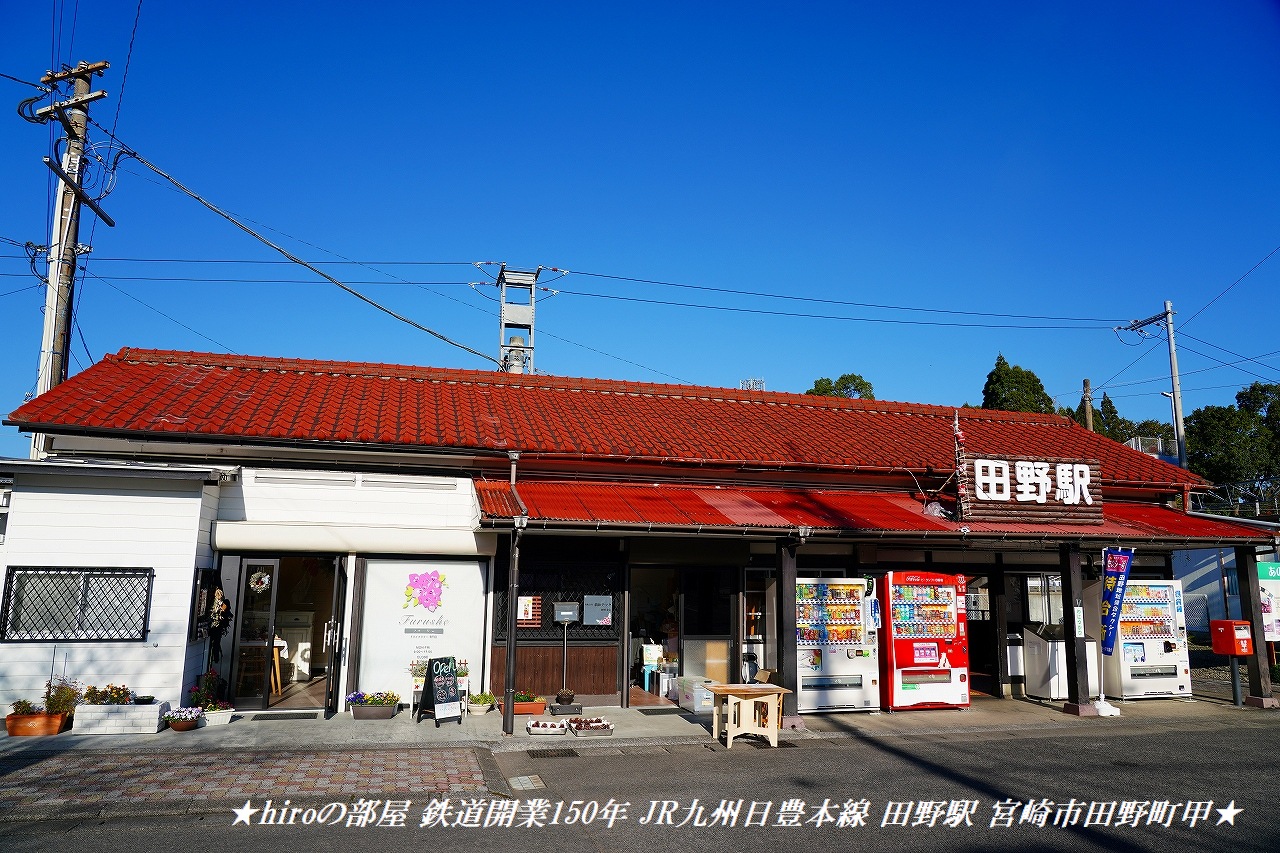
x,y
1231,637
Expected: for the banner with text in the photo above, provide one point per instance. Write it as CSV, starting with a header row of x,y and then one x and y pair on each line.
x,y
1115,575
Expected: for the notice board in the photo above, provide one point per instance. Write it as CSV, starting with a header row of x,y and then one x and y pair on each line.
x,y
440,692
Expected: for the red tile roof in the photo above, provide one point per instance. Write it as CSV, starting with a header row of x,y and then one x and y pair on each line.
x,y
191,395
680,506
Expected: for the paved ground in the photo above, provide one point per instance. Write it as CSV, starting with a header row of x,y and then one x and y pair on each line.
x,y
257,757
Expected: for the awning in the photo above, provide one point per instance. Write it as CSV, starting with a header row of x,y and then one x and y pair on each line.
x,y
670,507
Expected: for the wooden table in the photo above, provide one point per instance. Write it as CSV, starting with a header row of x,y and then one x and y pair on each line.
x,y
749,709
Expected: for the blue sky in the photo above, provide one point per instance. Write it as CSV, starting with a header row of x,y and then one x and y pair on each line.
x,y
1045,160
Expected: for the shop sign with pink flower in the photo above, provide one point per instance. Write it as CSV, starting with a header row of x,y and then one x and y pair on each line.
x,y
425,589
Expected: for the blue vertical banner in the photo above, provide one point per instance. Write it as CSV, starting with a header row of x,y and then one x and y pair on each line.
x,y
1115,575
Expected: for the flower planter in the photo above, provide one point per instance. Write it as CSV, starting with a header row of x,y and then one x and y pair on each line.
x,y
535,708
478,709
31,725
119,719
218,718
184,725
372,712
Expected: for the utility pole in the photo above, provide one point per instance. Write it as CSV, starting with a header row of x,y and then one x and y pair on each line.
x,y
64,247
1179,431
1087,401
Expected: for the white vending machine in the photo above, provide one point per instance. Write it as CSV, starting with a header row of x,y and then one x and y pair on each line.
x,y
837,623
1150,659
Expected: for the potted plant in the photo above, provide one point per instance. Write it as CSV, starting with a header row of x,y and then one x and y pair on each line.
x,y
112,694
61,695
115,710
183,719
527,702
565,697
204,695
373,706
480,703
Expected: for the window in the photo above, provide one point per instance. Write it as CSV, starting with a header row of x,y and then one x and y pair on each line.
x,y
76,604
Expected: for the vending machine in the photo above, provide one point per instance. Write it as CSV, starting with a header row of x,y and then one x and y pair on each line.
x,y
837,622
1151,658
924,660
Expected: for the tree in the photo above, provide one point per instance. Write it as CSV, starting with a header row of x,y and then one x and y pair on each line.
x,y
1226,444
849,385
1109,423
1014,389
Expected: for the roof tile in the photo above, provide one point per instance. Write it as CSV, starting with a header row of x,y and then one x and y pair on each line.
x,y
248,397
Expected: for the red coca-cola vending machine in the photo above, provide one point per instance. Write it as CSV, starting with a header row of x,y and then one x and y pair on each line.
x,y
924,661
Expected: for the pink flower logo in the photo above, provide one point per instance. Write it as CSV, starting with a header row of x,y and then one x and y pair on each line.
x,y
425,590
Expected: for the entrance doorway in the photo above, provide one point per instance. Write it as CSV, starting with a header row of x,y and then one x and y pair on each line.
x,y
289,633
688,611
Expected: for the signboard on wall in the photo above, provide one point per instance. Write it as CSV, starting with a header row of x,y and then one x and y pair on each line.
x,y
1039,489
597,610
419,610
1269,593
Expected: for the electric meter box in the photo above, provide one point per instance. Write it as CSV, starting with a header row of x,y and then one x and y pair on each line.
x,y
1231,637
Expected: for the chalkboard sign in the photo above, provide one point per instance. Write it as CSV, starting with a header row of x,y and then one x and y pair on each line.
x,y
440,692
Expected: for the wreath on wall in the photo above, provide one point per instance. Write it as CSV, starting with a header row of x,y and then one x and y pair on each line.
x,y
260,582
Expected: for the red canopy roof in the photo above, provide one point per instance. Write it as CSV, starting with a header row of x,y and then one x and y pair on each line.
x,y
667,506
195,396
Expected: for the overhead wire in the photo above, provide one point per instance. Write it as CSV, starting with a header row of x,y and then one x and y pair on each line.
x,y
162,314
130,152
811,316
794,298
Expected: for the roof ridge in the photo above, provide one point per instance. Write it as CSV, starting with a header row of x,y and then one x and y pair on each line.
x,y
568,383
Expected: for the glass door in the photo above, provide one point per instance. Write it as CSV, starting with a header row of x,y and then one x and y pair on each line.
x,y
257,658
334,638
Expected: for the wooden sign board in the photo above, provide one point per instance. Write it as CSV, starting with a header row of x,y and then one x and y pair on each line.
x,y
1023,489
440,692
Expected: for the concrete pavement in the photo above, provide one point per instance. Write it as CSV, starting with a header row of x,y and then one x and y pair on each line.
x,y
260,755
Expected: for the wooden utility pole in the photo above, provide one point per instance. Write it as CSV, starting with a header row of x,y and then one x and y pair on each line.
x,y
1088,405
64,245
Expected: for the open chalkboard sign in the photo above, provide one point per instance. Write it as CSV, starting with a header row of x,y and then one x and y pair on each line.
x,y
440,691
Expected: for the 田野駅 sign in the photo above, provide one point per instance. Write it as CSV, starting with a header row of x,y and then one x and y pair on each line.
x,y
1017,488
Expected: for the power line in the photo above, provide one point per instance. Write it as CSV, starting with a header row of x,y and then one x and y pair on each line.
x,y
809,316
736,292
161,313
1227,351
1228,287
398,283
286,253
24,82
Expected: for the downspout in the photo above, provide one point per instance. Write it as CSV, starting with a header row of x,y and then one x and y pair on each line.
x,y
518,524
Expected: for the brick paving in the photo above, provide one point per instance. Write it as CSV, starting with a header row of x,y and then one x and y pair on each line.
x,y
104,779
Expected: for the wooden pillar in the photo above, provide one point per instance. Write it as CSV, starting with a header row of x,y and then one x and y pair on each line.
x,y
1078,700
1000,620
1251,611
788,671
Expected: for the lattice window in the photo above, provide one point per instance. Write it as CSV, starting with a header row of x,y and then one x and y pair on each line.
x,y
76,604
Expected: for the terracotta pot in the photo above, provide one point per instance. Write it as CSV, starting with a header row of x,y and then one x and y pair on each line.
x,y
28,725
184,725
536,708
372,712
